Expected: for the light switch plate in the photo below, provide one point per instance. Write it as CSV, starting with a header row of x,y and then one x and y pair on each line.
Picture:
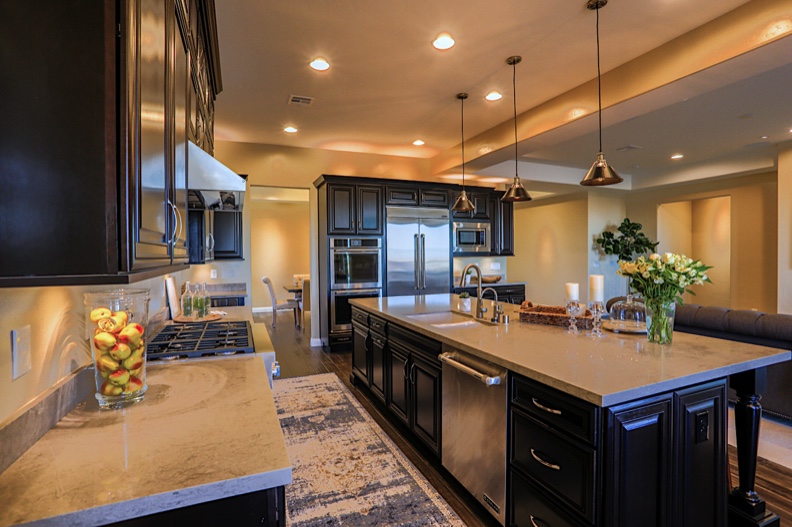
x,y
20,351
213,273
495,266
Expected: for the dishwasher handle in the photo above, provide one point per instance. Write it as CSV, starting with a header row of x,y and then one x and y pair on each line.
x,y
483,377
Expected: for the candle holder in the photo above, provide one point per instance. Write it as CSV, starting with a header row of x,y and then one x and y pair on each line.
x,y
597,310
573,309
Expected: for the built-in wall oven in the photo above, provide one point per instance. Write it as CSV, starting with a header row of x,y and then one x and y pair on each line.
x,y
355,272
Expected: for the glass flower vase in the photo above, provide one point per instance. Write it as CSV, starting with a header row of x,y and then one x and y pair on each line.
x,y
660,320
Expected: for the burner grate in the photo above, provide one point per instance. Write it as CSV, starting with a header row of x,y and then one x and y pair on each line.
x,y
200,339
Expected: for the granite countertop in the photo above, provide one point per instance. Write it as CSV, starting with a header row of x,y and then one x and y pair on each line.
x,y
605,371
206,429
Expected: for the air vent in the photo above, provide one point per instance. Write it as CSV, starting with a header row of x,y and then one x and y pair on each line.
x,y
301,100
628,148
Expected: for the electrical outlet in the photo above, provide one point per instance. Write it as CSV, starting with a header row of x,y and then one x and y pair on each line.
x,y
702,427
213,273
20,351
495,266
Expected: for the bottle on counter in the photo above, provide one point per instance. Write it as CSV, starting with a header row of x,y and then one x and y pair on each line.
x,y
187,301
200,302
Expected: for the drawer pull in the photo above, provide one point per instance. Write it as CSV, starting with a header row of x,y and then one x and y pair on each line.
x,y
545,408
534,519
543,462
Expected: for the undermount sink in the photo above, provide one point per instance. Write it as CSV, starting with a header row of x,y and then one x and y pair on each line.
x,y
450,319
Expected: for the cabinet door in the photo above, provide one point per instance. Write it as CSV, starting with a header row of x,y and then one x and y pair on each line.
x,y
640,464
397,382
480,202
495,225
153,214
528,507
360,353
506,228
434,198
370,210
425,403
341,209
378,365
227,234
180,71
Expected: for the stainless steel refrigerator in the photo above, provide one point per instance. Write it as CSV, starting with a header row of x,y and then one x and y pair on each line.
x,y
418,251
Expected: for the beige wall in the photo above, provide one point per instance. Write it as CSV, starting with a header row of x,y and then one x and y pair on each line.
x,y
711,236
550,247
784,234
280,247
675,228
754,229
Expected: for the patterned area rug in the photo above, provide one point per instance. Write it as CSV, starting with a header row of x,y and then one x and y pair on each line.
x,y
346,470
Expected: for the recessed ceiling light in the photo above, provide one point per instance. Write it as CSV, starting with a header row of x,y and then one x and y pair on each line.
x,y
494,96
677,156
320,64
443,41
290,130
764,137
418,142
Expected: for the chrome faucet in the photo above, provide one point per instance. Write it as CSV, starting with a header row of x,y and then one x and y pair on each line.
x,y
498,314
480,309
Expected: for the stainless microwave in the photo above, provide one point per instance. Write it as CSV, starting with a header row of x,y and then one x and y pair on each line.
x,y
471,237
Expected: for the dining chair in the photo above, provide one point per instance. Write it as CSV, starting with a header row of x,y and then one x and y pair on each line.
x,y
305,299
283,305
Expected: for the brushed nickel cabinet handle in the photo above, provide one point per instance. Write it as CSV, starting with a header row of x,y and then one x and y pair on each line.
x,y
543,462
534,519
545,408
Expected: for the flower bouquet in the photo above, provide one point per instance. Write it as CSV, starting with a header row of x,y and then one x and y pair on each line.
x,y
662,280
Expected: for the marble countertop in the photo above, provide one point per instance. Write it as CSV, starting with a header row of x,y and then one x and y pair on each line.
x,y
206,429
605,371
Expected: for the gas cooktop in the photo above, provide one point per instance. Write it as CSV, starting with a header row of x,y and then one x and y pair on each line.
x,y
200,339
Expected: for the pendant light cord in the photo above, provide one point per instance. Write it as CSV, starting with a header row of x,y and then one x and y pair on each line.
x,y
599,83
514,101
463,142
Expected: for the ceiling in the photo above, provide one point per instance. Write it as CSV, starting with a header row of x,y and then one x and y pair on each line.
x,y
387,85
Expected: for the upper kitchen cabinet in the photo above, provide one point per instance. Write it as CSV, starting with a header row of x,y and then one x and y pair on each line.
x,y
416,196
93,141
502,225
481,206
355,209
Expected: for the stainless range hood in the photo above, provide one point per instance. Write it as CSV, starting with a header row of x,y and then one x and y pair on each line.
x,y
215,181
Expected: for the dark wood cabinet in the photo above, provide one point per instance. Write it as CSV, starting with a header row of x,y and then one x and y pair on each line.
x,y
227,241
481,206
501,225
360,352
355,209
95,181
397,396
572,463
513,294
415,196
425,375
379,343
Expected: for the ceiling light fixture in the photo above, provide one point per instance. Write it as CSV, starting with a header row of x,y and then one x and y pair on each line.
x,y
516,192
677,156
320,64
418,142
290,130
462,203
600,173
443,42
493,96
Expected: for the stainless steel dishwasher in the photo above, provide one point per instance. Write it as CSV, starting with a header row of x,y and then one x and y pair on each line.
x,y
474,427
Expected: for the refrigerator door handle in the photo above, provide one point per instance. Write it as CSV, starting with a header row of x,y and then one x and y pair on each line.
x,y
423,261
416,262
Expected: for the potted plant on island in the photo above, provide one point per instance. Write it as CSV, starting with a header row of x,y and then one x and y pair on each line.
x,y
464,301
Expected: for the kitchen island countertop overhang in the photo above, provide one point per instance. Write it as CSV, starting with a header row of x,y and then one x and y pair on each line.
x,y
604,371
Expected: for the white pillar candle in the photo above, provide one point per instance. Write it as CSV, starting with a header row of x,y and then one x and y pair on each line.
x,y
572,291
596,288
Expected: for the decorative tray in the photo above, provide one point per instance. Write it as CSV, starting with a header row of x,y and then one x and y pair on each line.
x,y
610,325
551,315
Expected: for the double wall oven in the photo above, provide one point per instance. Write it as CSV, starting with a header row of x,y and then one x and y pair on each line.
x,y
355,272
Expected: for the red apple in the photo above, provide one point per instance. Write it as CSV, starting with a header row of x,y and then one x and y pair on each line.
x,y
135,360
131,335
105,364
122,316
99,313
104,341
133,385
119,377
120,351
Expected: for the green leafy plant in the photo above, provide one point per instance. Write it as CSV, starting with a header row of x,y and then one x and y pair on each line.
x,y
464,294
628,242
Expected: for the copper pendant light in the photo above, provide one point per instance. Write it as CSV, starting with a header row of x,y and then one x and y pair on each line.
x,y
516,192
600,173
462,203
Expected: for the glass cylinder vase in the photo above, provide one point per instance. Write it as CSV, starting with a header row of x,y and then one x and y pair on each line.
x,y
660,321
116,324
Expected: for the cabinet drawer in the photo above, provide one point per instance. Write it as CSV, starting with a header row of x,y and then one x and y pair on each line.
x,y
557,409
434,198
529,508
563,467
360,317
378,325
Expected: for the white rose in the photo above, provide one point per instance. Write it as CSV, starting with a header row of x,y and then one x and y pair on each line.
x,y
669,258
654,257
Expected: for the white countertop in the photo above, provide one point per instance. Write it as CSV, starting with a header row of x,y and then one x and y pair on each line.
x,y
605,371
206,429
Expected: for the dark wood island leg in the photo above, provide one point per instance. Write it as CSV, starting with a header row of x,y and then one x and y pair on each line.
x,y
746,507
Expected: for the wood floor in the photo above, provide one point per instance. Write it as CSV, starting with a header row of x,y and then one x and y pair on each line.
x,y
297,358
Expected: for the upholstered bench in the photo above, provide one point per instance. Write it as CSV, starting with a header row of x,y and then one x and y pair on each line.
x,y
753,327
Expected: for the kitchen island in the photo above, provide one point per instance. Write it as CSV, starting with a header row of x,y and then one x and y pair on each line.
x,y
206,430
642,427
